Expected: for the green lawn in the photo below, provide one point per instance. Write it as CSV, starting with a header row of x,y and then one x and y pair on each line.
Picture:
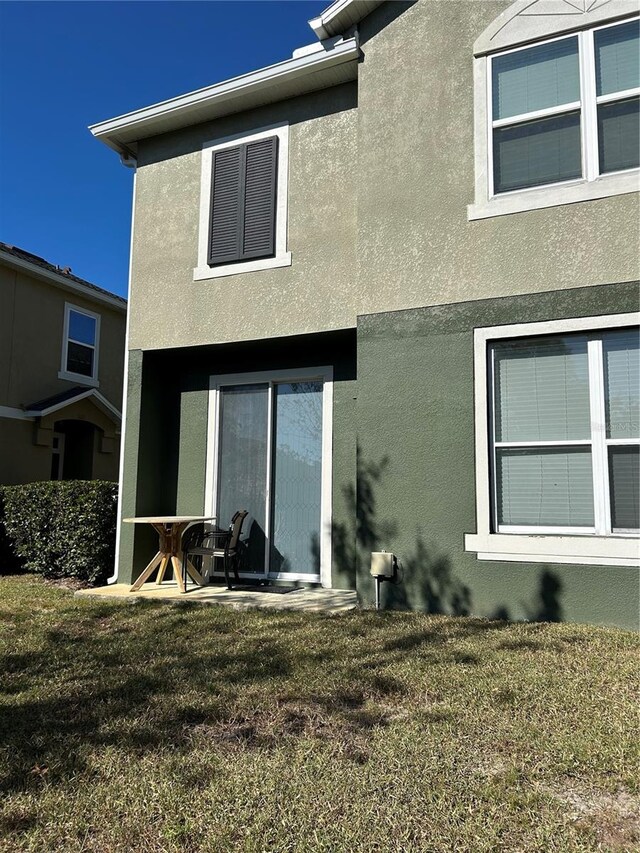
x,y
148,727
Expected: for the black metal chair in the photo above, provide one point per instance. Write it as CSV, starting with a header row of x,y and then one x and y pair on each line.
x,y
202,540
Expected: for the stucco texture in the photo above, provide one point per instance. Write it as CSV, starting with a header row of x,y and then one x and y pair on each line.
x,y
416,468
170,309
21,460
415,112
166,435
31,340
380,176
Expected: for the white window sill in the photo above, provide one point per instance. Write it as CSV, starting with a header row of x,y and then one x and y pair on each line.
x,y
580,550
555,195
78,378
204,273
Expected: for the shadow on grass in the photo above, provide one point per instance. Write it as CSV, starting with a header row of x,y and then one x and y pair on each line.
x,y
148,677
154,677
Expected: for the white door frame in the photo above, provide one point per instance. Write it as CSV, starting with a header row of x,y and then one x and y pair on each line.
x,y
58,451
271,377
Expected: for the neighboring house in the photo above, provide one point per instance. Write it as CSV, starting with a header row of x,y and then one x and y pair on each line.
x,y
383,296
62,345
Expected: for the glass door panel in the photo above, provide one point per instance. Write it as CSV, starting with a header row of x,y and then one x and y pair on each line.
x,y
296,478
242,465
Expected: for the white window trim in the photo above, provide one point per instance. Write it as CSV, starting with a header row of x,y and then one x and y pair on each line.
x,y
617,549
282,257
592,185
325,374
69,376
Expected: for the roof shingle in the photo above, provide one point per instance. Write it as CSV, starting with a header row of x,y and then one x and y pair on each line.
x,y
37,261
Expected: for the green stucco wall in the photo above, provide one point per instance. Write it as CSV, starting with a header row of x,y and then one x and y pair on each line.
x,y
166,437
416,470
380,176
21,460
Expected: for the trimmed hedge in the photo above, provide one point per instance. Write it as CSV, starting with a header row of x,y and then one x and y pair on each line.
x,y
64,529
10,563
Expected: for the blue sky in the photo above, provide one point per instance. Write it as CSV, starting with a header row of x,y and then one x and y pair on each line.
x,y
66,65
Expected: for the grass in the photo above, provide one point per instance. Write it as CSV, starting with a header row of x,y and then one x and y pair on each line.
x,y
157,728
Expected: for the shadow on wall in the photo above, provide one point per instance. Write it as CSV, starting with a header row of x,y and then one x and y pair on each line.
x,y
545,605
427,581
362,529
425,578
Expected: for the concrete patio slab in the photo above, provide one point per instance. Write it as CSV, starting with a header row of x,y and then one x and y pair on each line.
x,y
242,598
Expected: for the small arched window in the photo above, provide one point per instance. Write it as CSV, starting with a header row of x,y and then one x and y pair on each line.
x,y
557,105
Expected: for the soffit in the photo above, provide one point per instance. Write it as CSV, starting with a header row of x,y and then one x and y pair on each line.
x,y
300,75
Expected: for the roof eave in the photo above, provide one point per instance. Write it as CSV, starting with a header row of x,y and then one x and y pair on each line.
x,y
61,281
97,398
340,16
122,132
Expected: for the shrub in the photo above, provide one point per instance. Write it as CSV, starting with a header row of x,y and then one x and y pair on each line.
x,y
10,563
63,529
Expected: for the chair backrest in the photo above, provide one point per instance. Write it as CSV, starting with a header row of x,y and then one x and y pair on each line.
x,y
193,534
197,536
236,528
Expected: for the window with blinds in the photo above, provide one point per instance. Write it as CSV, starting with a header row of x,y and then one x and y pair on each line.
x,y
566,109
566,433
617,56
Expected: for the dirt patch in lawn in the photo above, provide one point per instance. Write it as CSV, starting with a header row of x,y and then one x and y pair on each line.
x,y
347,731
72,584
615,817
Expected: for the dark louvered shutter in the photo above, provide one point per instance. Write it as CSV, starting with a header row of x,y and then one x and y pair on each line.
x,y
243,202
226,206
260,199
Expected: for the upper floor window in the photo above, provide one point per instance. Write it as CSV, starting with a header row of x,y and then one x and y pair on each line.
x,y
558,119
547,127
243,204
80,345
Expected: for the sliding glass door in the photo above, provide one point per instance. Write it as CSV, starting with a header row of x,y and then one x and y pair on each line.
x,y
296,477
268,458
242,464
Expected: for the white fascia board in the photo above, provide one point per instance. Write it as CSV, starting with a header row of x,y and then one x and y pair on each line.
x,y
136,124
340,15
107,407
15,414
62,281
100,399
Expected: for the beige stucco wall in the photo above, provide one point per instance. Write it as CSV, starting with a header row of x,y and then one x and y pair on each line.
x,y
31,340
21,460
31,344
25,446
169,309
378,199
